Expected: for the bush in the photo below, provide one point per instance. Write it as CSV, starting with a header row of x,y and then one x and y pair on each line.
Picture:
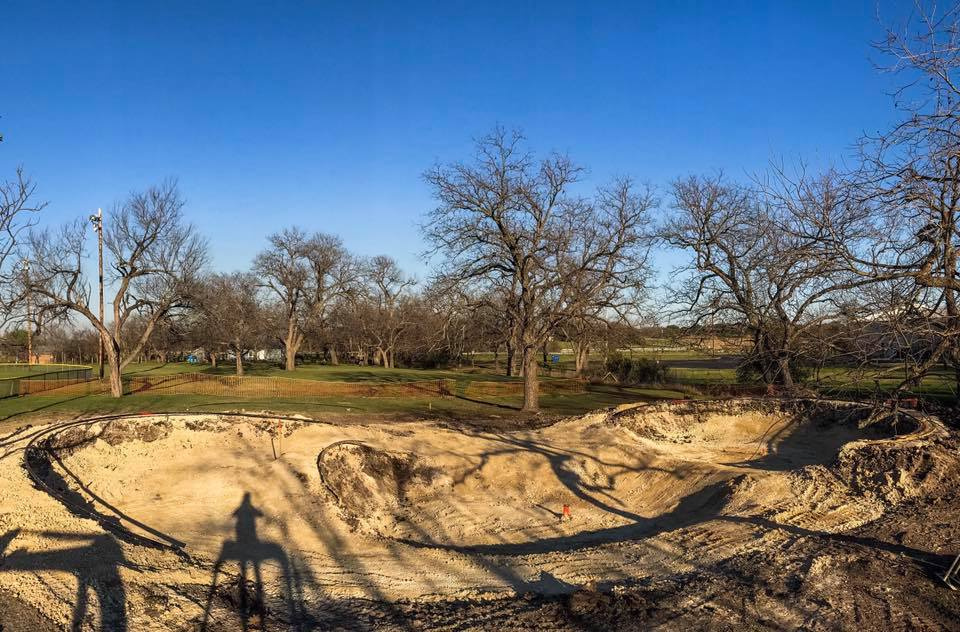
x,y
751,371
637,370
426,360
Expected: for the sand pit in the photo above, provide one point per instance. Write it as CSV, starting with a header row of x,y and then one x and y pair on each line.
x,y
175,507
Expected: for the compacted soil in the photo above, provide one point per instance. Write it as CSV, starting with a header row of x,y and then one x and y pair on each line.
x,y
742,514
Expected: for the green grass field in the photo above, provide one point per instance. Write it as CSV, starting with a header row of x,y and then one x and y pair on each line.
x,y
832,381
568,362
322,372
8,371
17,410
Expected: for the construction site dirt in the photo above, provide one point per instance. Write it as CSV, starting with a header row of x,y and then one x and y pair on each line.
x,y
696,515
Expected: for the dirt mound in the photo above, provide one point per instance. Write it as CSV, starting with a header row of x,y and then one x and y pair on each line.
x,y
699,421
369,485
114,432
867,478
120,431
894,471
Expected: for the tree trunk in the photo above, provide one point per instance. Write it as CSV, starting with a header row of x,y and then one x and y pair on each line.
x,y
581,358
213,359
116,375
785,376
239,364
334,359
531,381
291,345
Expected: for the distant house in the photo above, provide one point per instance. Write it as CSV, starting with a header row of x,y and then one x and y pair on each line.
x,y
270,355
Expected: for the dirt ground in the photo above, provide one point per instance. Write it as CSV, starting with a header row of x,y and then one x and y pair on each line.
x,y
697,515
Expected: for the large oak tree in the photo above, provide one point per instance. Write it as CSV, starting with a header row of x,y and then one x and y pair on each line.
x,y
153,259
306,274
509,224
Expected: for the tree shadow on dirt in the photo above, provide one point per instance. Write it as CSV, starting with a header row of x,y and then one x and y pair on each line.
x,y
562,462
700,506
788,446
798,443
95,564
248,550
39,463
930,560
332,612
474,400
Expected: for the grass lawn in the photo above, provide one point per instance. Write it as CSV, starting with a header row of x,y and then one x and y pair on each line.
x,y
20,370
833,381
15,411
567,361
322,372
686,375
841,381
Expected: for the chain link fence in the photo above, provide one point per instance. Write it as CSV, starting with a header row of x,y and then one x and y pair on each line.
x,y
45,381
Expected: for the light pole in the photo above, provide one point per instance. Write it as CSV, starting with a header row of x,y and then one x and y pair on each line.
x,y
97,221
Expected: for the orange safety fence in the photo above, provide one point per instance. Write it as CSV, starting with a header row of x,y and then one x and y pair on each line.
x,y
278,387
505,389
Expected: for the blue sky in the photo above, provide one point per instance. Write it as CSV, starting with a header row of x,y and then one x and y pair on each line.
x,y
325,114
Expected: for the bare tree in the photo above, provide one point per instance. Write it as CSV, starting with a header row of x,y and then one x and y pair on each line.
x,y
154,260
450,320
898,223
387,293
306,274
233,313
750,263
584,332
166,341
18,210
508,223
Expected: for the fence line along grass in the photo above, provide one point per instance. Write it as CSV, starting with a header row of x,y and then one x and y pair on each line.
x,y
46,381
506,389
277,387
259,387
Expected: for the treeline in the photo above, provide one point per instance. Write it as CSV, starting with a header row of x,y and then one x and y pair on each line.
x,y
848,265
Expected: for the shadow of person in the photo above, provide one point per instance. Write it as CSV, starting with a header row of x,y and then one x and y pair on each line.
x,y
249,551
96,566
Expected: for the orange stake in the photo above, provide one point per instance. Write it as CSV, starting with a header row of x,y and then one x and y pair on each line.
x,y
566,513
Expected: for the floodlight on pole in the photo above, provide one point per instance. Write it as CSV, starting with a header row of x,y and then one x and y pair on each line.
x,y
97,221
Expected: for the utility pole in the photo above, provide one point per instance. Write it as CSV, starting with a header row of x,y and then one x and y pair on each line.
x,y
97,221
26,278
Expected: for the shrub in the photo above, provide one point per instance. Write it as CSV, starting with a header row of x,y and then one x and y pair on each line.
x,y
750,371
637,370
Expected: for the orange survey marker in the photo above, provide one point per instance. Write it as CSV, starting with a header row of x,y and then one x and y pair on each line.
x,y
566,512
